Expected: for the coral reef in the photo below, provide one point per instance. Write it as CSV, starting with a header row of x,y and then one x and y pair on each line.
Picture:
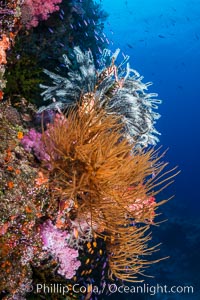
x,y
87,187
10,17
23,77
9,27
78,185
19,207
74,23
94,174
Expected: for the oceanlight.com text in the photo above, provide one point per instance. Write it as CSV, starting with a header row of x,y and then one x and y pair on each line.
x,y
112,289
150,289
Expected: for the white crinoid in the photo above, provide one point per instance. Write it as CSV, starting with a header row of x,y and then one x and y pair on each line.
x,y
117,88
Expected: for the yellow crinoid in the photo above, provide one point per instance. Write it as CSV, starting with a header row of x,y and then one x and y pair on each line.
x,y
110,184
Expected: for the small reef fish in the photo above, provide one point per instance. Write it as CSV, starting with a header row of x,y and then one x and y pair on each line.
x,y
130,46
50,30
85,22
100,51
196,36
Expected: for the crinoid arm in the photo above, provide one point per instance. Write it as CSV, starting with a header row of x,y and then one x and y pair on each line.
x,y
117,88
110,185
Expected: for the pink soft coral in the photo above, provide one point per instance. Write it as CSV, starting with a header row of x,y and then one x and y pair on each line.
x,y
55,242
143,209
34,11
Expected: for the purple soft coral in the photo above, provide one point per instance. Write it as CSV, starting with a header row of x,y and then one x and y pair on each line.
x,y
54,241
33,142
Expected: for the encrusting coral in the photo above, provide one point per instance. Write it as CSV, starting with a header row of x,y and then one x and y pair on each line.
x,y
85,177
9,27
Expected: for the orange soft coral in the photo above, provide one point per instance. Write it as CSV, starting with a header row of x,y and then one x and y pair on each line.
x,y
4,45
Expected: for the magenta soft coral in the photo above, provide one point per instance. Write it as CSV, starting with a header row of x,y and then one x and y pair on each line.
x,y
32,142
55,242
34,11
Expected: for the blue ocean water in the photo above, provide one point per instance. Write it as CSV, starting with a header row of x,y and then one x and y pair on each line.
x,y
162,38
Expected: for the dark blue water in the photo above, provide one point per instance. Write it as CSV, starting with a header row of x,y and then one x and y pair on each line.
x,y
162,38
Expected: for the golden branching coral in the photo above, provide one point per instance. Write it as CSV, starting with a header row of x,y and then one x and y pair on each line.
x,y
128,253
93,166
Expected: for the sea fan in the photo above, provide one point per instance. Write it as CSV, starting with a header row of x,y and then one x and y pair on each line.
x,y
117,88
